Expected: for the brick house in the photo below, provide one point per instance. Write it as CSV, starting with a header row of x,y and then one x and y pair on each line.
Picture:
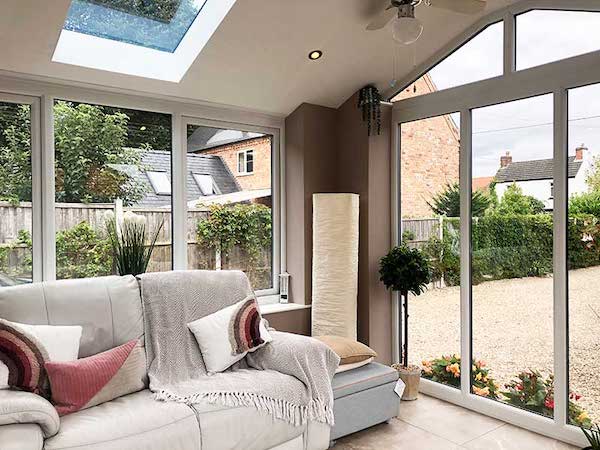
x,y
430,155
248,155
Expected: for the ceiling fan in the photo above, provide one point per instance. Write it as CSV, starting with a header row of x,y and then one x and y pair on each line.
x,y
406,29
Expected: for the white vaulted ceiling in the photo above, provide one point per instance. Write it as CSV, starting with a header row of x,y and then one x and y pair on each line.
x,y
257,58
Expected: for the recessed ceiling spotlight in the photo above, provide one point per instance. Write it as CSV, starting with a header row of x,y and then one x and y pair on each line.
x,y
315,54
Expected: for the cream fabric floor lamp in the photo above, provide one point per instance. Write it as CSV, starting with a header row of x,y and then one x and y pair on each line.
x,y
335,265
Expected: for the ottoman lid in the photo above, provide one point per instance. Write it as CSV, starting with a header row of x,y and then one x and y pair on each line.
x,y
362,378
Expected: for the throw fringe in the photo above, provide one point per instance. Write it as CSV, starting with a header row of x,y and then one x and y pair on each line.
x,y
296,415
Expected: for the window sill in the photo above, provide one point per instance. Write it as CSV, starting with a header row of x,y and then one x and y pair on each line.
x,y
281,307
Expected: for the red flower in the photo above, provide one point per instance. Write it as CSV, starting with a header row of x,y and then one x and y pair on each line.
x,y
549,403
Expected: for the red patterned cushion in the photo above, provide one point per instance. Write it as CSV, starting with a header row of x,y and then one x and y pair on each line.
x,y
100,378
24,356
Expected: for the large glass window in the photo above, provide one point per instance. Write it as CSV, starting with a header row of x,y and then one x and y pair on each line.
x,y
109,162
584,254
545,36
478,59
15,194
230,205
430,218
512,252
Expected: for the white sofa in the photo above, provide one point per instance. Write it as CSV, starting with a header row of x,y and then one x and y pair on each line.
x,y
110,311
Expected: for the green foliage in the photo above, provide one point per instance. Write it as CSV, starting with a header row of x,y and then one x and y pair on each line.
x,y
515,203
532,391
131,244
587,203
446,370
81,253
593,436
87,140
593,175
15,153
247,226
447,202
163,10
408,236
405,270
512,247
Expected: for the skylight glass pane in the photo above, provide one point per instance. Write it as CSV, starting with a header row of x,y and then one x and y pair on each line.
x,y
205,183
160,182
156,24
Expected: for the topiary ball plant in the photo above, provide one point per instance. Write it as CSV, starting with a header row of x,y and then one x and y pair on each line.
x,y
407,271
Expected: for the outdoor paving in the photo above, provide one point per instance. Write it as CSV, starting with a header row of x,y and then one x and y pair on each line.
x,y
513,329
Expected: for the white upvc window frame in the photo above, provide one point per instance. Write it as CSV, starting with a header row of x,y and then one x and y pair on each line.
x,y
41,94
555,78
245,163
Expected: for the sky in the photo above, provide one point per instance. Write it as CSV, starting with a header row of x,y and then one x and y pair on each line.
x,y
525,127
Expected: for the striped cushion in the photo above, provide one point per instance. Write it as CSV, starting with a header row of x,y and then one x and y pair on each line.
x,y
24,357
88,382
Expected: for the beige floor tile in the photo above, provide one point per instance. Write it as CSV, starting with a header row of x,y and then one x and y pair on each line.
x,y
446,420
509,437
396,435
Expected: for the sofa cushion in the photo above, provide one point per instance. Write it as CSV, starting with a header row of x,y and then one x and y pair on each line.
x,y
108,308
97,379
134,421
363,378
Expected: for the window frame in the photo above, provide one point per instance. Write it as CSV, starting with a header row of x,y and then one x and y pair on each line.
x,y
555,78
41,94
245,163
155,182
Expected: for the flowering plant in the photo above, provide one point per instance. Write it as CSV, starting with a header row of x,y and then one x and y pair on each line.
x,y
532,391
446,370
129,242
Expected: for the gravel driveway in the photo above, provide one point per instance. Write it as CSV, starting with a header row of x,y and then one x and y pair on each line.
x,y
512,329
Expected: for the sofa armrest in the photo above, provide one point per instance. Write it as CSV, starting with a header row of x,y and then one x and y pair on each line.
x,y
18,407
21,436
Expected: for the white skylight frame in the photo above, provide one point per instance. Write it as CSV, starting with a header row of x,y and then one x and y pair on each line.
x,y
105,54
160,182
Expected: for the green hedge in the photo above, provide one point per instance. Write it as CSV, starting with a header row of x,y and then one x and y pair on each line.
x,y
513,247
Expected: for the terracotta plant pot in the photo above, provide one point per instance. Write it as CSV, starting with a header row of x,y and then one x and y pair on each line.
x,y
411,376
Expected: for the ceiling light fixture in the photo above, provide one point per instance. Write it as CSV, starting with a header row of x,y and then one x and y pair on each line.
x,y
315,54
406,29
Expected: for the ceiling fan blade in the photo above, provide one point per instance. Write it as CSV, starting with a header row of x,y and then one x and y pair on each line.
x,y
460,6
383,18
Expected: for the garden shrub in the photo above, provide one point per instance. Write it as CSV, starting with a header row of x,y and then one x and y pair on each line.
x,y
514,246
587,203
81,252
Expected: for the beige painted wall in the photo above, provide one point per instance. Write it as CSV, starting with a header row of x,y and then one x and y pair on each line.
x,y
328,150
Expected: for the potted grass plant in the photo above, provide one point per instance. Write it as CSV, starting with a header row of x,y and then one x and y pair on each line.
x,y
593,436
406,271
131,243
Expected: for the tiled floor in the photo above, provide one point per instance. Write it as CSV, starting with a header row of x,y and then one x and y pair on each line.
x,y
431,424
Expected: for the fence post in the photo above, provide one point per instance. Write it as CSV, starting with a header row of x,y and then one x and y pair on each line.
x,y
118,214
218,258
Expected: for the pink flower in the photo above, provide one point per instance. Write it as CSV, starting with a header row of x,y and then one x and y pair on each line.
x,y
549,403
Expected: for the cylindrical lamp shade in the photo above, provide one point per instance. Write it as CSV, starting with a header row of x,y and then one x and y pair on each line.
x,y
335,265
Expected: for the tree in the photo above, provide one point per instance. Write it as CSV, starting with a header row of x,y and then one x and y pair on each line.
x,y
593,175
515,203
447,202
87,142
587,203
15,154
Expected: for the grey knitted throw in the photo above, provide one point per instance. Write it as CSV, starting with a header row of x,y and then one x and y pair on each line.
x,y
289,378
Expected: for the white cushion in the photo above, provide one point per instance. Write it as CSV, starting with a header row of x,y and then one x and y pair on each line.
x,y
219,337
347,367
61,343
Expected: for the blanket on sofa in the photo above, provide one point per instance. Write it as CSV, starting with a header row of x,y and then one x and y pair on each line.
x,y
290,378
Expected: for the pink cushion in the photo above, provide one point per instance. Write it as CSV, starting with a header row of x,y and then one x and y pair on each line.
x,y
100,378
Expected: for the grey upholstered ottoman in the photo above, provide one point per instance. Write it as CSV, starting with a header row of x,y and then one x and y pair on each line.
x,y
364,397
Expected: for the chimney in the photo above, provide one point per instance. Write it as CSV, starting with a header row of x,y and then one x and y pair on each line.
x,y
580,152
505,160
